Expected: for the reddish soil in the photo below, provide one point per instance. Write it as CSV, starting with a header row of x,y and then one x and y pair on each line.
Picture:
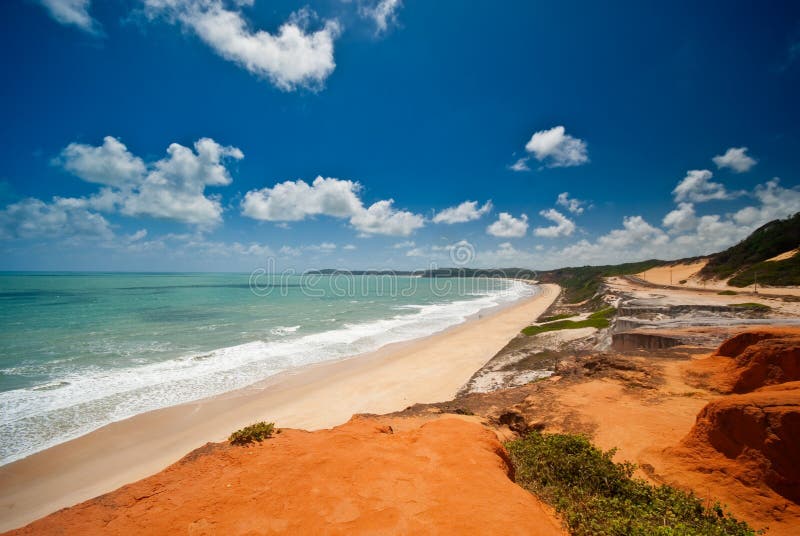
x,y
758,436
750,360
447,476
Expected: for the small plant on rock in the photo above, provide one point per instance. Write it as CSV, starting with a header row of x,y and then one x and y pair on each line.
x,y
255,432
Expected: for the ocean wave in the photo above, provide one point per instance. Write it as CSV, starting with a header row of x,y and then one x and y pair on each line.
x,y
81,401
284,330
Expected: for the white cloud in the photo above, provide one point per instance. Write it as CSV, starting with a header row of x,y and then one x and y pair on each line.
x,y
138,235
349,247
681,219
563,225
775,202
170,188
507,226
556,148
72,12
110,164
292,57
570,203
520,165
698,187
382,218
735,159
63,217
404,245
382,12
297,200
324,247
689,234
466,211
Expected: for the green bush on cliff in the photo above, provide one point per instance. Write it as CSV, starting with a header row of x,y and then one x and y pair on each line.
x,y
595,495
598,319
255,432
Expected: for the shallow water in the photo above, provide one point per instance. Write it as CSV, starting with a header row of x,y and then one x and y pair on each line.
x,y
78,351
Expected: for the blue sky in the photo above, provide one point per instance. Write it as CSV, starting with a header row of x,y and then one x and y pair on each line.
x,y
172,134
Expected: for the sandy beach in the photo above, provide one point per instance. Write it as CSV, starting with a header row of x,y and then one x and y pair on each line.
x,y
425,370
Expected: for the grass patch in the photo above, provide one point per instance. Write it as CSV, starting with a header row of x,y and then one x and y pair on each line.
x,y
727,293
767,241
555,317
750,306
255,432
595,495
598,319
776,273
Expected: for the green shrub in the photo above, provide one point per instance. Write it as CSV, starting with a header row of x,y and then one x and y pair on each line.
x,y
727,293
752,306
598,319
595,495
255,432
776,273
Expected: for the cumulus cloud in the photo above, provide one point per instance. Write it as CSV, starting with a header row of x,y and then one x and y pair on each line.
x,y
62,217
576,206
382,218
383,13
507,226
171,188
290,58
297,200
698,187
735,159
775,201
466,211
110,164
688,233
556,148
681,219
520,165
72,12
563,225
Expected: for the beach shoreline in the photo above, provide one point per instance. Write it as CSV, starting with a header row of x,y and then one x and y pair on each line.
x,y
428,369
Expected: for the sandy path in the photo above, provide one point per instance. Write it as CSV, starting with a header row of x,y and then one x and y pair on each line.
x,y
672,275
320,396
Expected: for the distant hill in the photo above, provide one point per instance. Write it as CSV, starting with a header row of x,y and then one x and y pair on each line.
x,y
743,263
582,282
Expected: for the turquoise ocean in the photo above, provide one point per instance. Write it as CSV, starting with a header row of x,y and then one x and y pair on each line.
x,y
81,350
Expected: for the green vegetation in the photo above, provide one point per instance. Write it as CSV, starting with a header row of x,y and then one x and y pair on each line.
x,y
727,293
767,241
581,283
752,306
598,319
555,317
777,273
595,495
255,432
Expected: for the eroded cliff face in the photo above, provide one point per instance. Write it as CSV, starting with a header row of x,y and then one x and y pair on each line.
x,y
447,476
758,436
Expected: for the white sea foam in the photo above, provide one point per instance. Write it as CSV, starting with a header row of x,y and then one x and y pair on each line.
x,y
284,330
79,402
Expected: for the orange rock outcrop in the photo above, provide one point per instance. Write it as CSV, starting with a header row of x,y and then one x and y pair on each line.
x,y
447,476
757,435
752,359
